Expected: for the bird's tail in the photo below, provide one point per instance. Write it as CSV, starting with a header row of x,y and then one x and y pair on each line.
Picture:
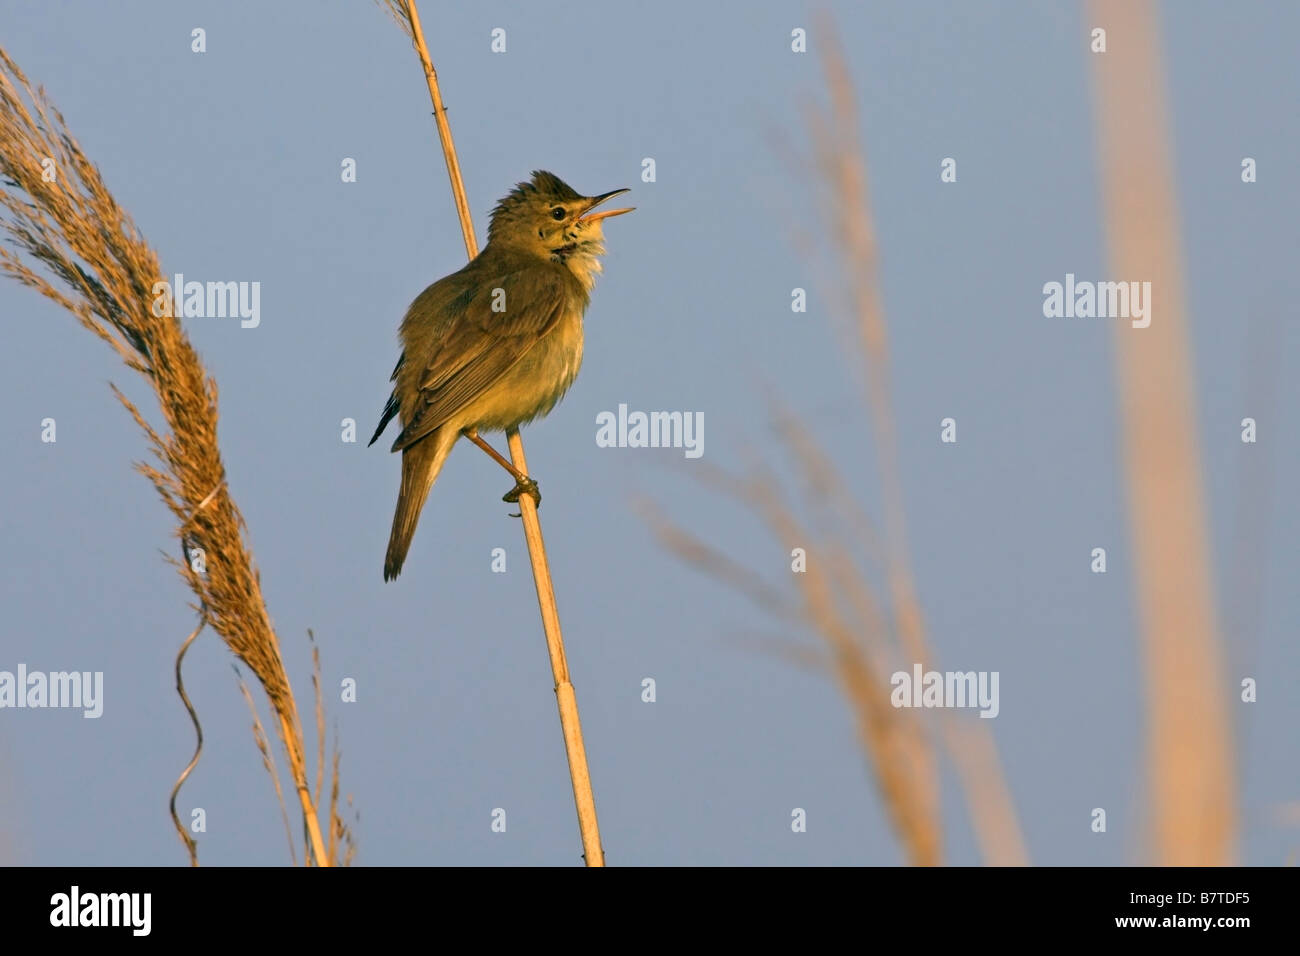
x,y
421,463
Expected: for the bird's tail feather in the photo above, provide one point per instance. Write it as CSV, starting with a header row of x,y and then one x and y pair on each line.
x,y
421,463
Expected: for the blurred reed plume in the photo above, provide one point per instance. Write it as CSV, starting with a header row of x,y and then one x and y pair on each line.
x,y
866,635
1191,796
93,262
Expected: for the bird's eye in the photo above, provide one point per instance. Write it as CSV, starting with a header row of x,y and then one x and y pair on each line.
x,y
557,213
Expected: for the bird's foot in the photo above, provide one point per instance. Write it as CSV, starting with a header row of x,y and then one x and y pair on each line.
x,y
524,486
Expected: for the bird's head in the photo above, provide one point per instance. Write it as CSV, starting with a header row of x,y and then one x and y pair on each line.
x,y
547,218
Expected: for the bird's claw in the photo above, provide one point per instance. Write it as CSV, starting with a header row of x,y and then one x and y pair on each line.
x,y
524,486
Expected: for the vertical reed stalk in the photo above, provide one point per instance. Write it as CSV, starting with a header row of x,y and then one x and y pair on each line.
x,y
1191,798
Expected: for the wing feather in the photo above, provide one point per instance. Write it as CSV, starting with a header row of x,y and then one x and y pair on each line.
x,y
479,346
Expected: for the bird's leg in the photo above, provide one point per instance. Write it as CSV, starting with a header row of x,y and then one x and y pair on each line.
x,y
473,435
523,484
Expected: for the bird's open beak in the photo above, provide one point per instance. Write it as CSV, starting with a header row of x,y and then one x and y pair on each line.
x,y
593,216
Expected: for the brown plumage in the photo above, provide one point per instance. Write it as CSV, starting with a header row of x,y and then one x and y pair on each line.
x,y
497,344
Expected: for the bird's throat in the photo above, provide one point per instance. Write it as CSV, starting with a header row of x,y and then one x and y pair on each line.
x,y
582,259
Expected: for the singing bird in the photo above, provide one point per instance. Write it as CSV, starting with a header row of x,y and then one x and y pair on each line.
x,y
497,344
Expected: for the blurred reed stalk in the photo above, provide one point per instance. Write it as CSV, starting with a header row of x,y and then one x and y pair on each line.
x,y
1191,806
408,18
836,598
104,273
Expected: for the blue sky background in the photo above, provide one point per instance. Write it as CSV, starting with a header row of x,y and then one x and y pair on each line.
x,y
229,162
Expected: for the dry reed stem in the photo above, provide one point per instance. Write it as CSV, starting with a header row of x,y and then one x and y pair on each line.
x,y
1192,813
319,696
407,15
72,227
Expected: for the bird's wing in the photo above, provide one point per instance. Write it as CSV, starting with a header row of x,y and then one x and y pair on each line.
x,y
479,345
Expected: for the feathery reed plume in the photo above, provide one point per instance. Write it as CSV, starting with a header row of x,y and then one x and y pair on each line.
x,y
1191,798
397,10
340,832
268,761
69,224
838,601
340,836
408,17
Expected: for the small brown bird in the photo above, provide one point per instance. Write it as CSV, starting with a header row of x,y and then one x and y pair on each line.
x,y
497,344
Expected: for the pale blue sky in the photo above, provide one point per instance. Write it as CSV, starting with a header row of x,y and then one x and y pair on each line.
x,y
229,162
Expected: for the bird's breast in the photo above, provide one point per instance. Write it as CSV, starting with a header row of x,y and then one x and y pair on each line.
x,y
538,380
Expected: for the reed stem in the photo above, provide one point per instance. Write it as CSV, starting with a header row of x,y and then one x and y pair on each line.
x,y
566,699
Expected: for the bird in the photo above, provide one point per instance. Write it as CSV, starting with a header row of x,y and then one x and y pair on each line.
x,y
497,344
